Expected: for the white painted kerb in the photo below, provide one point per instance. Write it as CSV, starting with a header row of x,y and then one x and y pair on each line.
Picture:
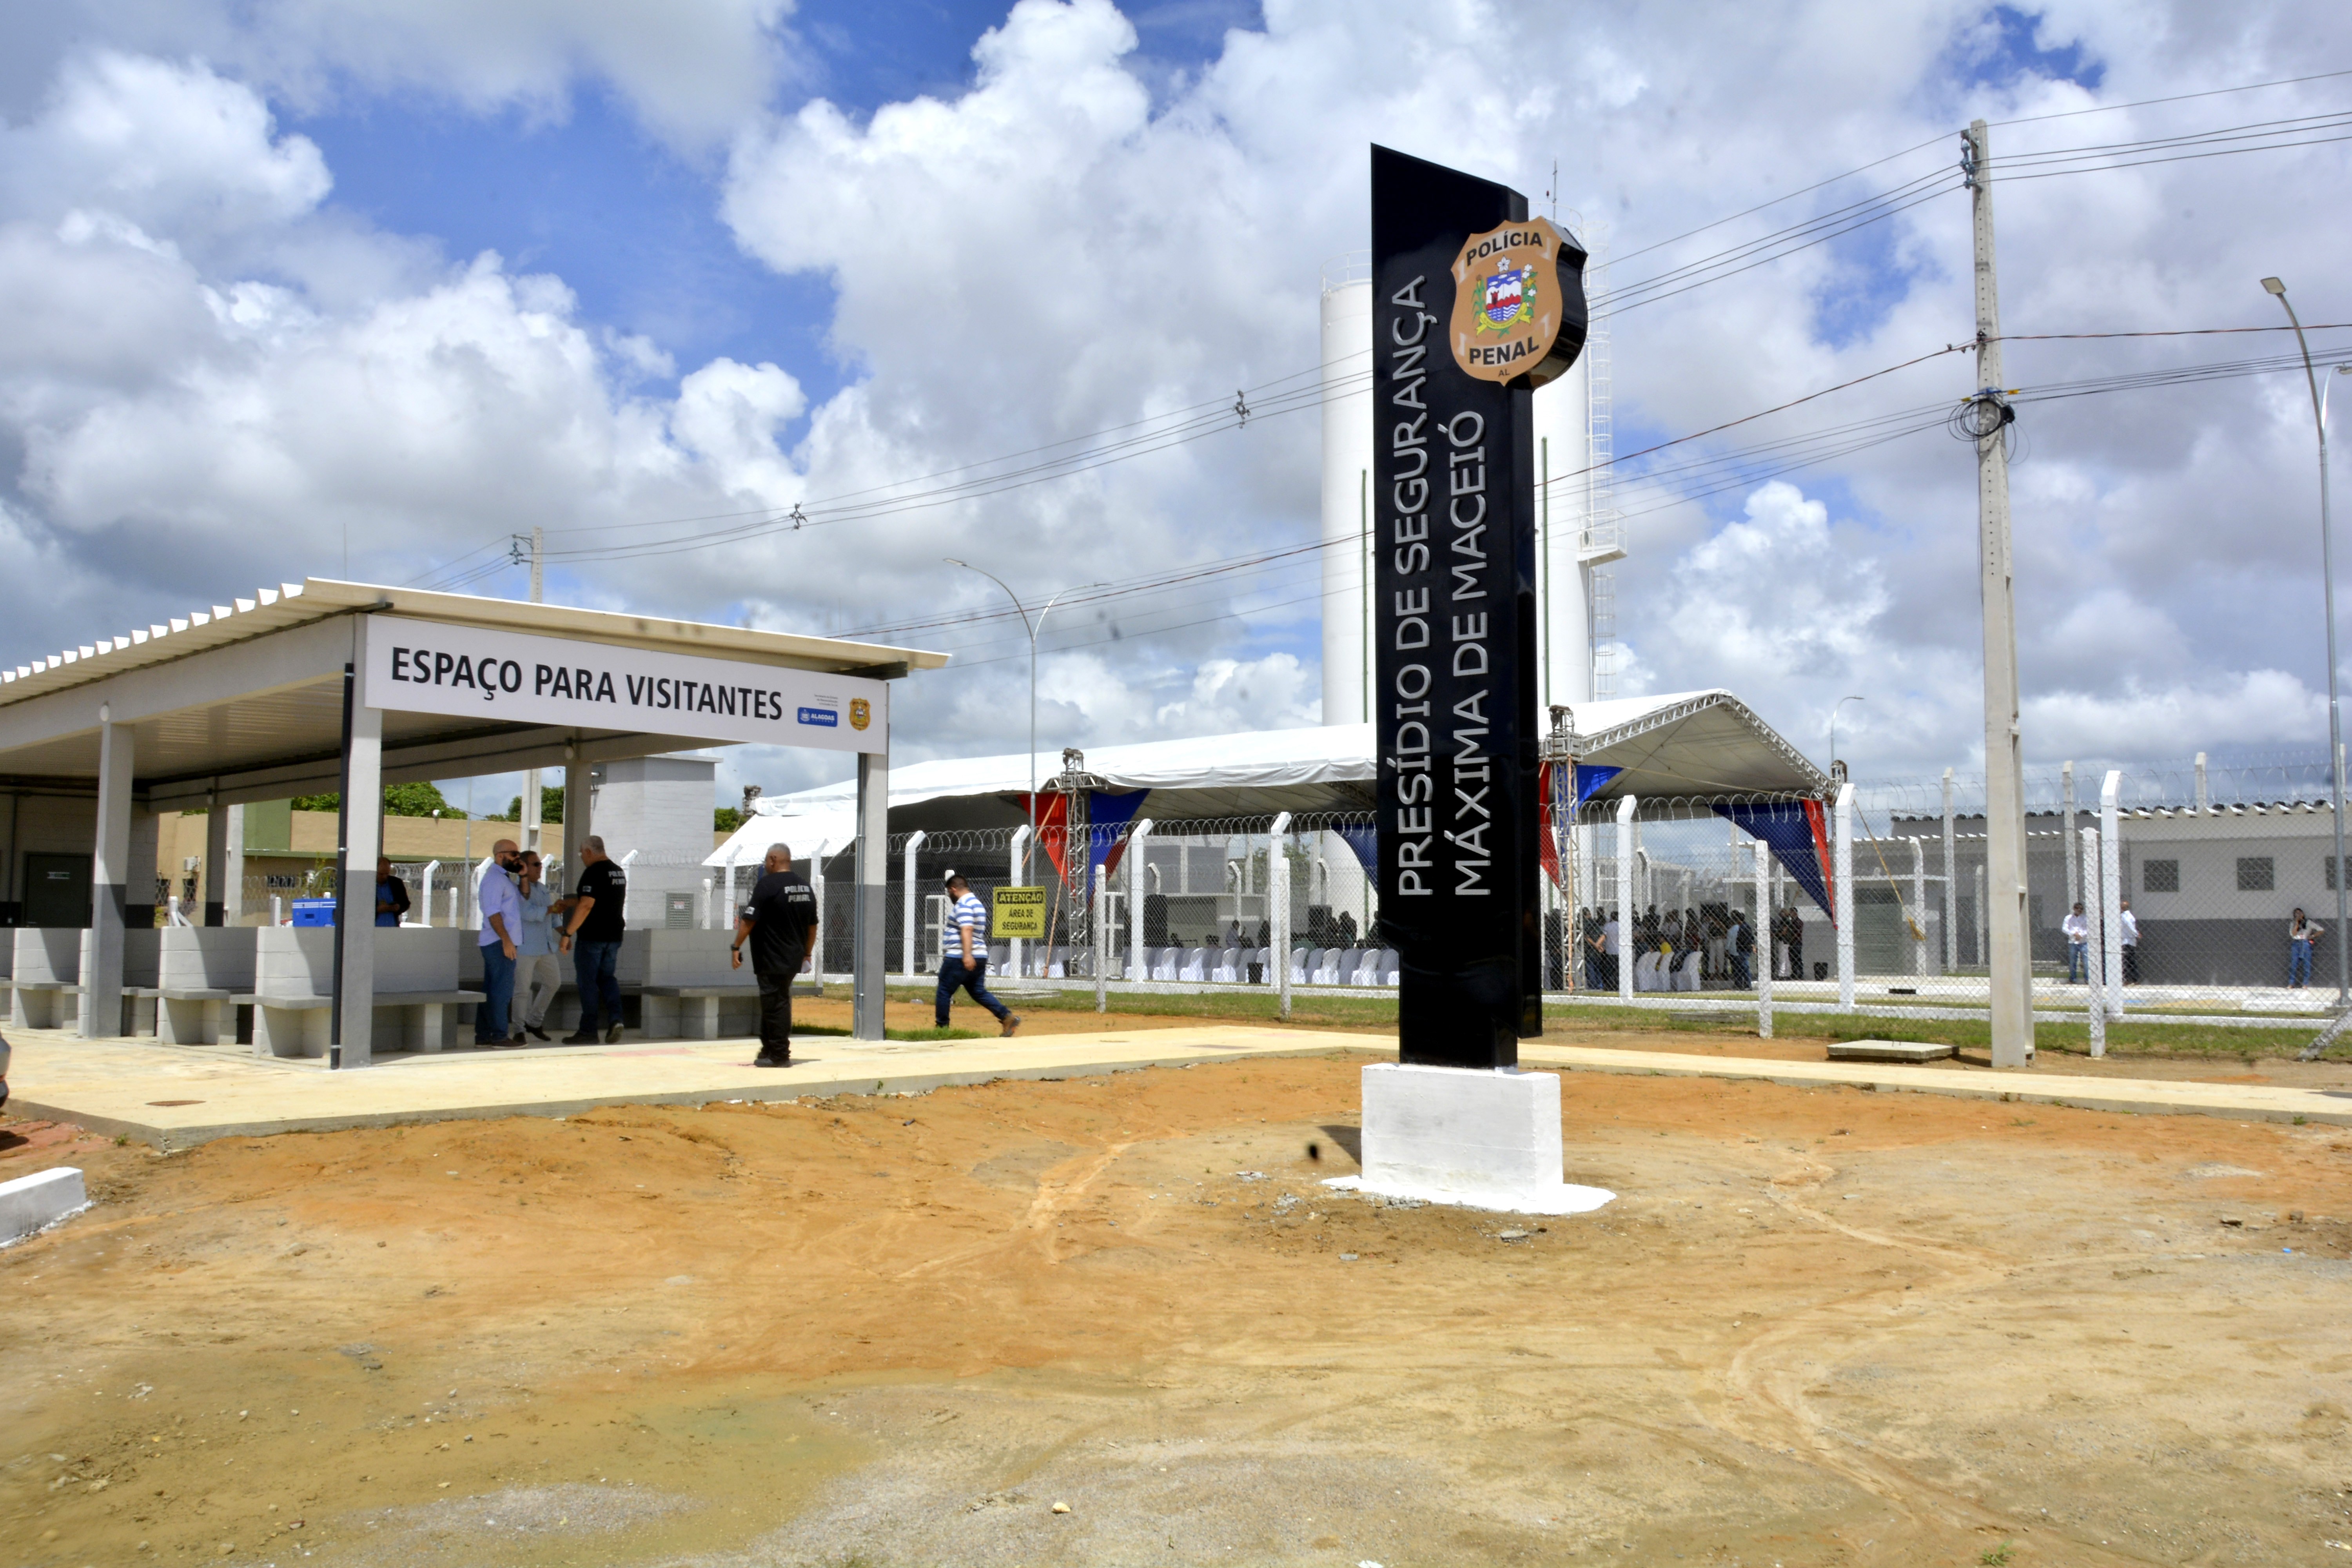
x,y
1479,1139
34,1203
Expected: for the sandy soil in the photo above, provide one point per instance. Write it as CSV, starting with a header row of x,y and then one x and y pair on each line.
x,y
1818,1326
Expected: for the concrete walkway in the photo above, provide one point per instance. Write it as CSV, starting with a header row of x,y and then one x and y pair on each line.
x,y
2132,1096
174,1097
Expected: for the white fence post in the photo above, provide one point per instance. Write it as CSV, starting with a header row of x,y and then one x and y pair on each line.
x,y
1138,965
816,888
1842,852
2094,994
1627,923
2111,889
914,894
1102,937
425,903
1020,880
1278,902
1919,904
1764,912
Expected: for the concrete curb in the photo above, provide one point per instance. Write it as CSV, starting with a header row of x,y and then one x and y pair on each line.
x,y
30,1204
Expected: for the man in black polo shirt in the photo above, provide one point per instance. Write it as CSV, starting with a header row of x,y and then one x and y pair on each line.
x,y
779,922
592,936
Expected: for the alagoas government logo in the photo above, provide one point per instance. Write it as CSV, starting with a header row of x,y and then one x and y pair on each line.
x,y
1517,311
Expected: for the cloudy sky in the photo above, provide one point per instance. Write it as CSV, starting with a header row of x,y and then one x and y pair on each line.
x,y
299,288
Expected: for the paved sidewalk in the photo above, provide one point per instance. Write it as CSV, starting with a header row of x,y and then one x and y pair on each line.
x,y
174,1096
2034,1085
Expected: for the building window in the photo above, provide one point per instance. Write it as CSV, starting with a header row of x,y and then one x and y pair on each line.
x,y
2159,876
2331,873
2254,874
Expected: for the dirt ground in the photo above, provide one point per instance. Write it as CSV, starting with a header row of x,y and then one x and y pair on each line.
x,y
1816,1327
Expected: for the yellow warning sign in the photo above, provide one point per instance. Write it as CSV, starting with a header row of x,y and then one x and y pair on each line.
x,y
1018,912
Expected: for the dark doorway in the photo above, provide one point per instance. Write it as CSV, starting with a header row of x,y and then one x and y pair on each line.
x,y
57,890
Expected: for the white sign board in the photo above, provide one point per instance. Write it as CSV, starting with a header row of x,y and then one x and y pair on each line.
x,y
429,666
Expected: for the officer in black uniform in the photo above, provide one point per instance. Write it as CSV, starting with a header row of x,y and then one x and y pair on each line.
x,y
779,922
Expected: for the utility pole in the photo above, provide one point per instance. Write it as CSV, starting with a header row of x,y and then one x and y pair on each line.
x,y
533,824
2010,976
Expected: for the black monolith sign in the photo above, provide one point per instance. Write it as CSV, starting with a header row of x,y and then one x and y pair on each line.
x,y
1474,306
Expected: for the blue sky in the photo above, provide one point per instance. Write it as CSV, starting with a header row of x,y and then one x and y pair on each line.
x,y
809,252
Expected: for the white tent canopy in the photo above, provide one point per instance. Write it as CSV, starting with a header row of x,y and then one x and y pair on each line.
x,y
1690,743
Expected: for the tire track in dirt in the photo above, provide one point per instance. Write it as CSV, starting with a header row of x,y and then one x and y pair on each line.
x,y
1774,1390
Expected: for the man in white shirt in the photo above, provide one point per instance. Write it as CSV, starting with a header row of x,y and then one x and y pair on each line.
x,y
501,909
1611,943
2130,923
2078,946
963,957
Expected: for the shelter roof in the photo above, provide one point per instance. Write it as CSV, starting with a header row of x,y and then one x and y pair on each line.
x,y
315,598
244,701
1691,744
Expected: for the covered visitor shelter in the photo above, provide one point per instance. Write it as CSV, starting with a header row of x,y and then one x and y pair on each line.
x,y
347,686
1677,753
1690,745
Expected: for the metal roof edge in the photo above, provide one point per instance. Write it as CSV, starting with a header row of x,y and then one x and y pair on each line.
x,y
1699,702
316,598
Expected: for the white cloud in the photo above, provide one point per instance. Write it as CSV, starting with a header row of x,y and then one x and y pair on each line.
x,y
690,70
205,370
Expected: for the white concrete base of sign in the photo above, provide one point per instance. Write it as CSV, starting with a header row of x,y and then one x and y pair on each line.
x,y
1485,1140
34,1203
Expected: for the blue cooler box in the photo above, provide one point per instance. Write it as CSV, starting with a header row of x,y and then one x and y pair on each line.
x,y
314,912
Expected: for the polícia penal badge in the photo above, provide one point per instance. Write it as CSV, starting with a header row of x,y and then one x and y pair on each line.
x,y
1518,304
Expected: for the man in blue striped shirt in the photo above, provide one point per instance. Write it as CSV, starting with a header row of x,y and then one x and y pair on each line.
x,y
964,955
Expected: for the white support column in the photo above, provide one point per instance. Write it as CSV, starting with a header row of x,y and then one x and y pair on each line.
x,y
109,882
1020,870
425,903
214,911
1277,903
1842,852
1763,939
579,813
1919,904
1628,835
2094,993
2111,889
914,896
364,831
1139,887
869,917
232,869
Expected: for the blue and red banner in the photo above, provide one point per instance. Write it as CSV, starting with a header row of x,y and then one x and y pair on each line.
x,y
1798,833
1589,777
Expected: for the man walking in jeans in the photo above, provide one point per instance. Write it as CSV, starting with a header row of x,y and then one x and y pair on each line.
x,y
963,957
593,937
501,914
779,922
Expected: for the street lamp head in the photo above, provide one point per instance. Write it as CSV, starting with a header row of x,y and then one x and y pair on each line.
x,y
953,562
2275,286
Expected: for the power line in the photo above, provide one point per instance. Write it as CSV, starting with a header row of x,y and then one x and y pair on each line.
x,y
2176,98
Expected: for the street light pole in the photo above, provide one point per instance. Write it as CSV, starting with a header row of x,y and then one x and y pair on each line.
x,y
1834,713
2327,596
1029,845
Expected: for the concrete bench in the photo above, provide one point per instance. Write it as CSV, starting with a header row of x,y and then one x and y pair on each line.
x,y
698,1012
45,967
200,971
418,1000
299,1025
